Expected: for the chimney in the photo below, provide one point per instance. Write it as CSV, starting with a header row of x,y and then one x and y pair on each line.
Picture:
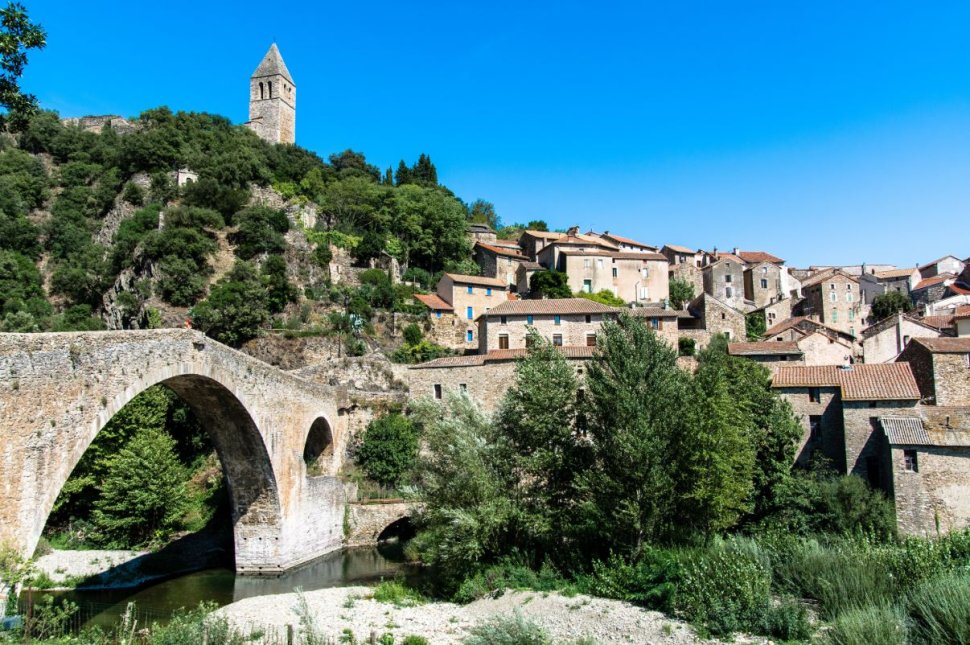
x,y
572,230
736,251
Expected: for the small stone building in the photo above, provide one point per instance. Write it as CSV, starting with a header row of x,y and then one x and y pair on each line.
x,y
455,307
884,341
499,262
896,280
770,354
961,320
763,284
724,279
834,299
942,369
948,264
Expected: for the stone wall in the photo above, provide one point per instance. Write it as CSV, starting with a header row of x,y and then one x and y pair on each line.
x,y
688,273
573,329
951,373
366,521
936,498
884,341
865,444
830,440
820,349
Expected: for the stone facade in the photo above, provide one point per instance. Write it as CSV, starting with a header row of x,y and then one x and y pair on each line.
x,y
366,521
820,349
718,317
821,417
470,297
935,498
763,285
836,301
500,263
509,331
942,369
947,264
272,100
689,273
58,390
884,341
724,279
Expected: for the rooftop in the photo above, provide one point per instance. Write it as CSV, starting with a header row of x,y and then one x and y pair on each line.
x,y
501,250
945,345
937,279
764,348
937,261
904,430
658,312
895,273
272,64
472,360
860,382
626,240
825,275
678,249
559,306
476,279
942,321
756,257
433,301
962,313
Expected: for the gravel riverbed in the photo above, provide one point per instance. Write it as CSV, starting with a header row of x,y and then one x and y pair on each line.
x,y
567,619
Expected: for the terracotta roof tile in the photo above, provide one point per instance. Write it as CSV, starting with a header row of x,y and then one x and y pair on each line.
x,y
962,313
826,274
937,279
627,240
861,382
658,312
944,321
546,235
473,360
639,256
678,249
501,250
755,257
945,345
958,289
784,325
476,279
433,301
895,273
766,347
550,307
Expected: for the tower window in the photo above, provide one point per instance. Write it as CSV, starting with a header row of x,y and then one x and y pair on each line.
x,y
270,84
261,93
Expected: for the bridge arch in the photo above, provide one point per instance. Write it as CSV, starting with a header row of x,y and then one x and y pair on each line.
x,y
318,448
250,479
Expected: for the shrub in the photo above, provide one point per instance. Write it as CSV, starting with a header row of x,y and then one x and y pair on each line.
x,y
651,581
509,574
940,610
787,620
413,334
508,630
685,346
133,194
394,592
388,449
411,639
881,624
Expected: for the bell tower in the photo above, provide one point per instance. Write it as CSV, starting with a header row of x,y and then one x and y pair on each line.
x,y
272,100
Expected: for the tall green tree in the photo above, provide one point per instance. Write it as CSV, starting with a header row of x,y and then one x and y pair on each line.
x,y
237,306
388,450
17,36
681,292
483,212
550,284
887,304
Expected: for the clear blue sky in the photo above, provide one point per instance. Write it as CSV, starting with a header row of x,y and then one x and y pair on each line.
x,y
825,132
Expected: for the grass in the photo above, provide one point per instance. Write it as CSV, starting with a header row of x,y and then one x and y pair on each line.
x,y
508,630
939,610
882,624
396,593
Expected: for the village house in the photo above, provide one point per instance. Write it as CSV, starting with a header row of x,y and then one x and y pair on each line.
x,y
898,280
706,316
565,322
764,284
948,264
821,345
751,258
942,369
456,304
523,275
768,353
834,298
883,341
775,312
724,279
677,255
481,233
531,242
625,244
500,262
664,321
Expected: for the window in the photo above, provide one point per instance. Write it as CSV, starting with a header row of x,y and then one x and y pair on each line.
x,y
557,340
654,323
764,269
557,319
645,272
835,315
587,286
764,283
615,273
503,341
851,315
463,387
848,287
832,296
814,395
590,339
848,297
909,461
529,319
723,316
437,390
270,84
727,278
503,319
437,314
728,292
470,312
471,289
832,286
599,263
589,318
905,341
815,427
587,263
644,293
488,291
470,335
261,93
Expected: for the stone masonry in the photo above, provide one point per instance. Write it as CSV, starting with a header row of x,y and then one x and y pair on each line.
x,y
58,390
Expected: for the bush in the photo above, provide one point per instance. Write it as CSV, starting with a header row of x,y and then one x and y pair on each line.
x,y
651,581
508,630
509,574
685,346
882,624
394,592
133,194
413,334
388,449
940,610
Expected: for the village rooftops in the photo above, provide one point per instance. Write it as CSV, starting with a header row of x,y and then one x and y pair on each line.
x,y
545,235
945,345
764,348
826,274
859,382
895,274
658,312
679,249
962,313
619,239
501,250
477,280
941,321
433,302
886,323
497,355
935,280
757,257
937,261
617,255
904,431
557,306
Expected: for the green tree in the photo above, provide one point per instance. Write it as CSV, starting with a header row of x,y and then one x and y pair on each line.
x,y
887,304
755,325
279,290
483,212
143,497
237,307
603,296
17,36
260,229
550,284
431,225
388,449
413,334
681,293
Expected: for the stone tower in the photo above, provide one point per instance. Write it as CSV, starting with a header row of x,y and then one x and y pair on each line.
x,y
272,100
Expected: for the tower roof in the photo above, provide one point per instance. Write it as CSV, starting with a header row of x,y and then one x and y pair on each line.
x,y
272,65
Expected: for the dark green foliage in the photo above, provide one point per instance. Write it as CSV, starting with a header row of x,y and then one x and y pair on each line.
x,y
940,610
130,234
483,212
353,164
550,284
143,497
260,230
237,306
604,297
323,256
21,286
412,334
681,293
510,573
388,450
755,325
422,278
886,304
685,346
279,290
83,276
17,35
133,194
77,318
650,581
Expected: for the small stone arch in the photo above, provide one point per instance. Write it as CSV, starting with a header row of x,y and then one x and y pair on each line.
x,y
318,448
270,84
401,529
261,94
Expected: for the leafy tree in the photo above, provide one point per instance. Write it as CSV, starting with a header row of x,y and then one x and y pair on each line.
x,y
17,36
237,306
388,449
279,290
77,318
537,225
887,304
353,164
681,292
21,286
483,212
603,296
323,256
755,325
133,194
413,334
431,225
260,230
685,346
550,284
143,498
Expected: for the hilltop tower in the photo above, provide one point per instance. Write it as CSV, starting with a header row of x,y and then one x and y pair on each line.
x,y
272,100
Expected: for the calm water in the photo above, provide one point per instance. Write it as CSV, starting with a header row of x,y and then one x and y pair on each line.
x,y
221,586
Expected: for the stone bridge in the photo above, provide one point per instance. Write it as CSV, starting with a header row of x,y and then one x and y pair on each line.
x,y
58,390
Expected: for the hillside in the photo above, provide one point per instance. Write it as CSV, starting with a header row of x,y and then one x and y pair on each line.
x,y
186,217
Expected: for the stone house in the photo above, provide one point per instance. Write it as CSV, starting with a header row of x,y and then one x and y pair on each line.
x,y
834,298
565,322
456,304
677,255
840,406
764,284
625,244
962,320
481,233
751,258
824,349
689,273
724,279
932,290
499,262
883,341
664,321
632,276
531,242
523,276
948,264
898,280
770,354
942,369
484,377
548,255
775,312
707,316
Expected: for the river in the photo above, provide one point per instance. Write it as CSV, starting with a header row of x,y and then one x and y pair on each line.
x,y
158,601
